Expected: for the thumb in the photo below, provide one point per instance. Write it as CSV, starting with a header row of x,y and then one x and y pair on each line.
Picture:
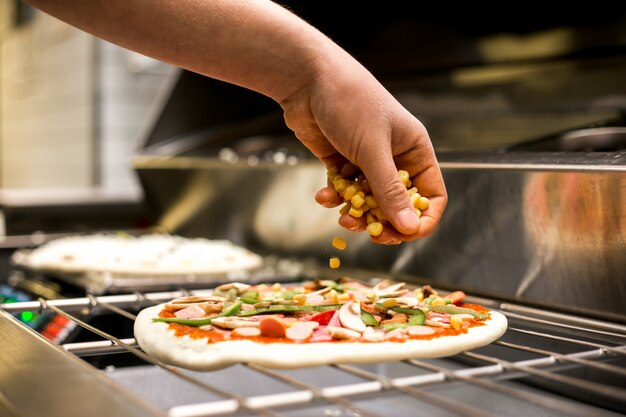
x,y
392,196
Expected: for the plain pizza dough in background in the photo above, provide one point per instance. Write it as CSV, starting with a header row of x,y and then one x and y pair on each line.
x,y
152,254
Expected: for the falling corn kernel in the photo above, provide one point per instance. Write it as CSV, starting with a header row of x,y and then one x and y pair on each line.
x,y
339,243
334,263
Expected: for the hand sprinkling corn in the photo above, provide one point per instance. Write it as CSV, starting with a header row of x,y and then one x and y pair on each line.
x,y
353,187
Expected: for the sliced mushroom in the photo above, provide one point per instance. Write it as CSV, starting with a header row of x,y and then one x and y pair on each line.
x,y
200,300
234,322
404,301
382,289
342,333
372,335
350,316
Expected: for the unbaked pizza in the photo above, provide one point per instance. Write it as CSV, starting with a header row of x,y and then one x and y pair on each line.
x,y
313,323
146,255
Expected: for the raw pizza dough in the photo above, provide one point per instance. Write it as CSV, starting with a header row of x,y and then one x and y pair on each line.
x,y
159,341
154,254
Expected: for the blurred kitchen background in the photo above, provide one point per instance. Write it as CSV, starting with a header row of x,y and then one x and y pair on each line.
x,y
72,110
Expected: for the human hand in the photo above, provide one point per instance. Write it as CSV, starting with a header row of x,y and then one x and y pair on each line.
x,y
345,114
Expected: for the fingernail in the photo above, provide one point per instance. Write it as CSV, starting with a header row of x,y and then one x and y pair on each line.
x,y
408,221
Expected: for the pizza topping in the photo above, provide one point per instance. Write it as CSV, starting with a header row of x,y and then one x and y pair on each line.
x,y
234,322
247,331
301,330
450,309
384,290
322,311
350,316
420,330
323,318
342,333
200,300
272,327
191,312
455,297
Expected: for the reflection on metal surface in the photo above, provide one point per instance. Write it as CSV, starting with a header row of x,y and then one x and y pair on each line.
x,y
543,227
39,379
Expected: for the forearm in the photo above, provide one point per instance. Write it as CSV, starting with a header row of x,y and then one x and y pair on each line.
x,y
253,43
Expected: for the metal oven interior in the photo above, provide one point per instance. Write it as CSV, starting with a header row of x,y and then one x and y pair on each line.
x,y
533,152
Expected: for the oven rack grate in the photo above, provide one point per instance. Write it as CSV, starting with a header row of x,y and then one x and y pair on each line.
x,y
557,363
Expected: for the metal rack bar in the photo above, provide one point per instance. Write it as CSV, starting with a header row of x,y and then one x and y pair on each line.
x,y
528,396
439,402
563,325
600,389
317,393
560,317
608,349
241,402
574,358
375,383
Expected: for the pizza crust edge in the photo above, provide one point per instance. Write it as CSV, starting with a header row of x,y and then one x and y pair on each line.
x,y
159,342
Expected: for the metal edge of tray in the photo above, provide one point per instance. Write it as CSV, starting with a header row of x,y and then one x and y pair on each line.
x,y
39,379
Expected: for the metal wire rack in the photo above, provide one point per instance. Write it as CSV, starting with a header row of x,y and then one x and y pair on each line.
x,y
546,364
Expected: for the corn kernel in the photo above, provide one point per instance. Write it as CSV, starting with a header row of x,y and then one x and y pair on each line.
x,y
365,208
332,171
438,302
345,209
375,228
276,287
370,217
300,299
343,297
404,177
350,192
378,213
371,201
339,243
414,199
390,302
422,203
456,321
332,296
355,212
357,201
412,191
334,263
419,294
418,212
340,185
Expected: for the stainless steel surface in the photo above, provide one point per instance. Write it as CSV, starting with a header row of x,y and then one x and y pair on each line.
x,y
38,379
544,365
542,227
